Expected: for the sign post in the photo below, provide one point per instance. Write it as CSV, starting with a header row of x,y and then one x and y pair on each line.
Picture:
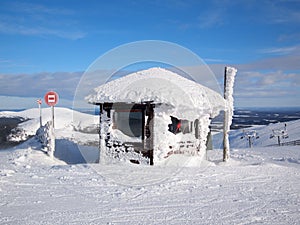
x,y
51,99
39,102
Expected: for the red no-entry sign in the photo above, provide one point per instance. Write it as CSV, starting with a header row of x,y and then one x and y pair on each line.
x,y
51,98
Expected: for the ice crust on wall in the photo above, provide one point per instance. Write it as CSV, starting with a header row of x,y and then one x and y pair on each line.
x,y
165,139
46,136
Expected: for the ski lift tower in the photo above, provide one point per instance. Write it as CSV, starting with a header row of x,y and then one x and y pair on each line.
x,y
280,134
250,135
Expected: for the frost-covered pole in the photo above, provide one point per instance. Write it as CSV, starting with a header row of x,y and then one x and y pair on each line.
x,y
39,102
40,109
101,137
52,109
229,77
51,144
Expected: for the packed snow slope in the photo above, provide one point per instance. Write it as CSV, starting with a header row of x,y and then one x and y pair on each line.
x,y
257,186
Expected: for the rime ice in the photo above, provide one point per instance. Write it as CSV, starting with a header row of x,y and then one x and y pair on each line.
x,y
179,105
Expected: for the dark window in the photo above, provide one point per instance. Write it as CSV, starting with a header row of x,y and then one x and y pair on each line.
x,y
178,126
129,122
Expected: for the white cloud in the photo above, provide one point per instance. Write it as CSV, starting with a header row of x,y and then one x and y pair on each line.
x,y
280,58
275,84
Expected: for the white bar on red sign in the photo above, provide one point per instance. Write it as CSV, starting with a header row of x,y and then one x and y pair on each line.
x,y
51,98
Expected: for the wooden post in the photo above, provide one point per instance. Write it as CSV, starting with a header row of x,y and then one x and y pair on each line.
x,y
229,77
52,108
144,128
225,138
149,131
225,127
40,109
101,137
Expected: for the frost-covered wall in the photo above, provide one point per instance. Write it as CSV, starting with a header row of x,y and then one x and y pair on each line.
x,y
117,146
172,95
114,147
167,143
45,135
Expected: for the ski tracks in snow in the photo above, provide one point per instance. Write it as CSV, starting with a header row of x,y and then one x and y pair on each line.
x,y
253,187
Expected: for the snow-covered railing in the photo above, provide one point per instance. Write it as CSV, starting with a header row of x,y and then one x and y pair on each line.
x,y
45,135
291,143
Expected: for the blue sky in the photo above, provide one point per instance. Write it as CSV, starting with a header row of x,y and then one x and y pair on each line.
x,y
47,45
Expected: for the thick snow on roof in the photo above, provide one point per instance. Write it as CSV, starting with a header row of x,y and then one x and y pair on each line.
x,y
160,86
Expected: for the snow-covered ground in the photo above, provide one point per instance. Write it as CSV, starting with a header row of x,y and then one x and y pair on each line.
x,y
257,186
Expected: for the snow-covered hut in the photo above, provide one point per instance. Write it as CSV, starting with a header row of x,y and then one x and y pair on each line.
x,y
149,115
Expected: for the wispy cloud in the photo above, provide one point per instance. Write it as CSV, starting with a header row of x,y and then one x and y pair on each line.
x,y
211,60
276,12
35,8
289,37
4,61
280,50
211,18
8,64
37,20
283,11
284,63
21,29
275,58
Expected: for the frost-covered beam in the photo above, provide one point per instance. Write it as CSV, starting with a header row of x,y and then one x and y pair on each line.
x,y
229,78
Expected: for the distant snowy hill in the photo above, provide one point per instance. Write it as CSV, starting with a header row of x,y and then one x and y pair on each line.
x,y
70,124
263,134
64,117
